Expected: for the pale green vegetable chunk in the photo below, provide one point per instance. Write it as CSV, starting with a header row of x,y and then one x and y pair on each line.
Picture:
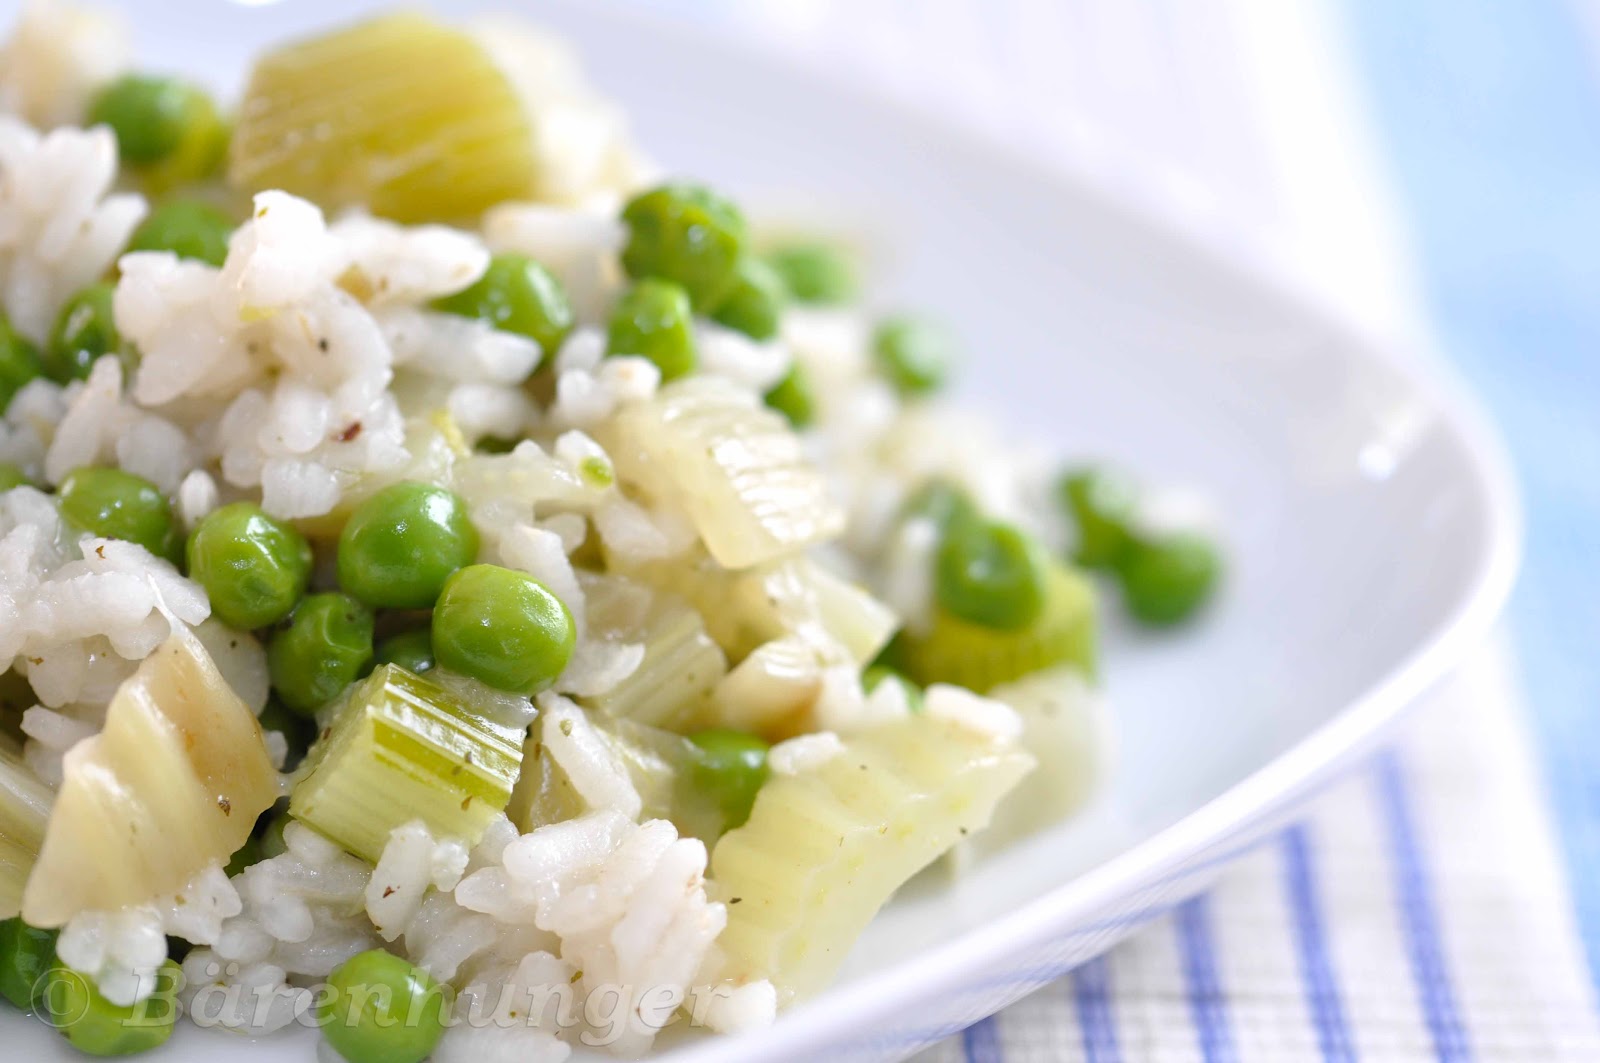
x,y
825,847
402,747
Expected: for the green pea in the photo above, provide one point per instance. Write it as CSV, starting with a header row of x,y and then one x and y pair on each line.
x,y
939,501
26,955
653,319
688,234
254,568
323,650
503,628
793,397
730,766
755,302
12,476
119,505
1101,503
815,273
380,1009
516,294
882,673
400,545
1166,581
411,650
990,574
190,228
913,353
19,363
84,330
96,1027
153,117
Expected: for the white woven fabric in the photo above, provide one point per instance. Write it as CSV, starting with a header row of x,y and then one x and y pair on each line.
x,y
1505,980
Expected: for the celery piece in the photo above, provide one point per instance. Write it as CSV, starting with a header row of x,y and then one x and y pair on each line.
x,y
171,786
408,117
734,468
681,667
401,748
826,846
659,765
24,811
1065,727
743,610
978,658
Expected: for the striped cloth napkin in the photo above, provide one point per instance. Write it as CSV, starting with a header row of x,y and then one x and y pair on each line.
x,y
1423,910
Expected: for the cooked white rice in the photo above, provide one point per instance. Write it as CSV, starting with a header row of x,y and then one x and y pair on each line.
x,y
306,372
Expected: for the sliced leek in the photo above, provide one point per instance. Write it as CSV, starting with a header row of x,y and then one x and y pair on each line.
x,y
681,667
403,748
24,811
825,847
979,658
410,118
734,467
170,787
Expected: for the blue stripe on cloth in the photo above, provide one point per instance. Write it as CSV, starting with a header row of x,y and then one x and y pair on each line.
x,y
1207,1004
981,1041
1490,114
1316,969
1418,921
1091,992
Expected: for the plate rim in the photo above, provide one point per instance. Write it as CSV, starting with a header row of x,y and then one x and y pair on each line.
x,y
1275,786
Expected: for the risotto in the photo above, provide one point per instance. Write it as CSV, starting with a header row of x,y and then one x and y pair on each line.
x,y
470,592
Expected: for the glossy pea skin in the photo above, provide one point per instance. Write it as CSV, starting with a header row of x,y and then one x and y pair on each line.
x,y
653,320
516,294
96,1027
503,628
411,650
794,397
400,545
815,273
687,234
26,955
755,302
1101,503
1166,581
19,363
151,116
119,505
879,674
990,574
325,648
254,568
914,354
730,766
189,228
12,476
941,502
84,330
380,1009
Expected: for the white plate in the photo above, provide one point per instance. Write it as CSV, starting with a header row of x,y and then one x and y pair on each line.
x,y
1372,520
